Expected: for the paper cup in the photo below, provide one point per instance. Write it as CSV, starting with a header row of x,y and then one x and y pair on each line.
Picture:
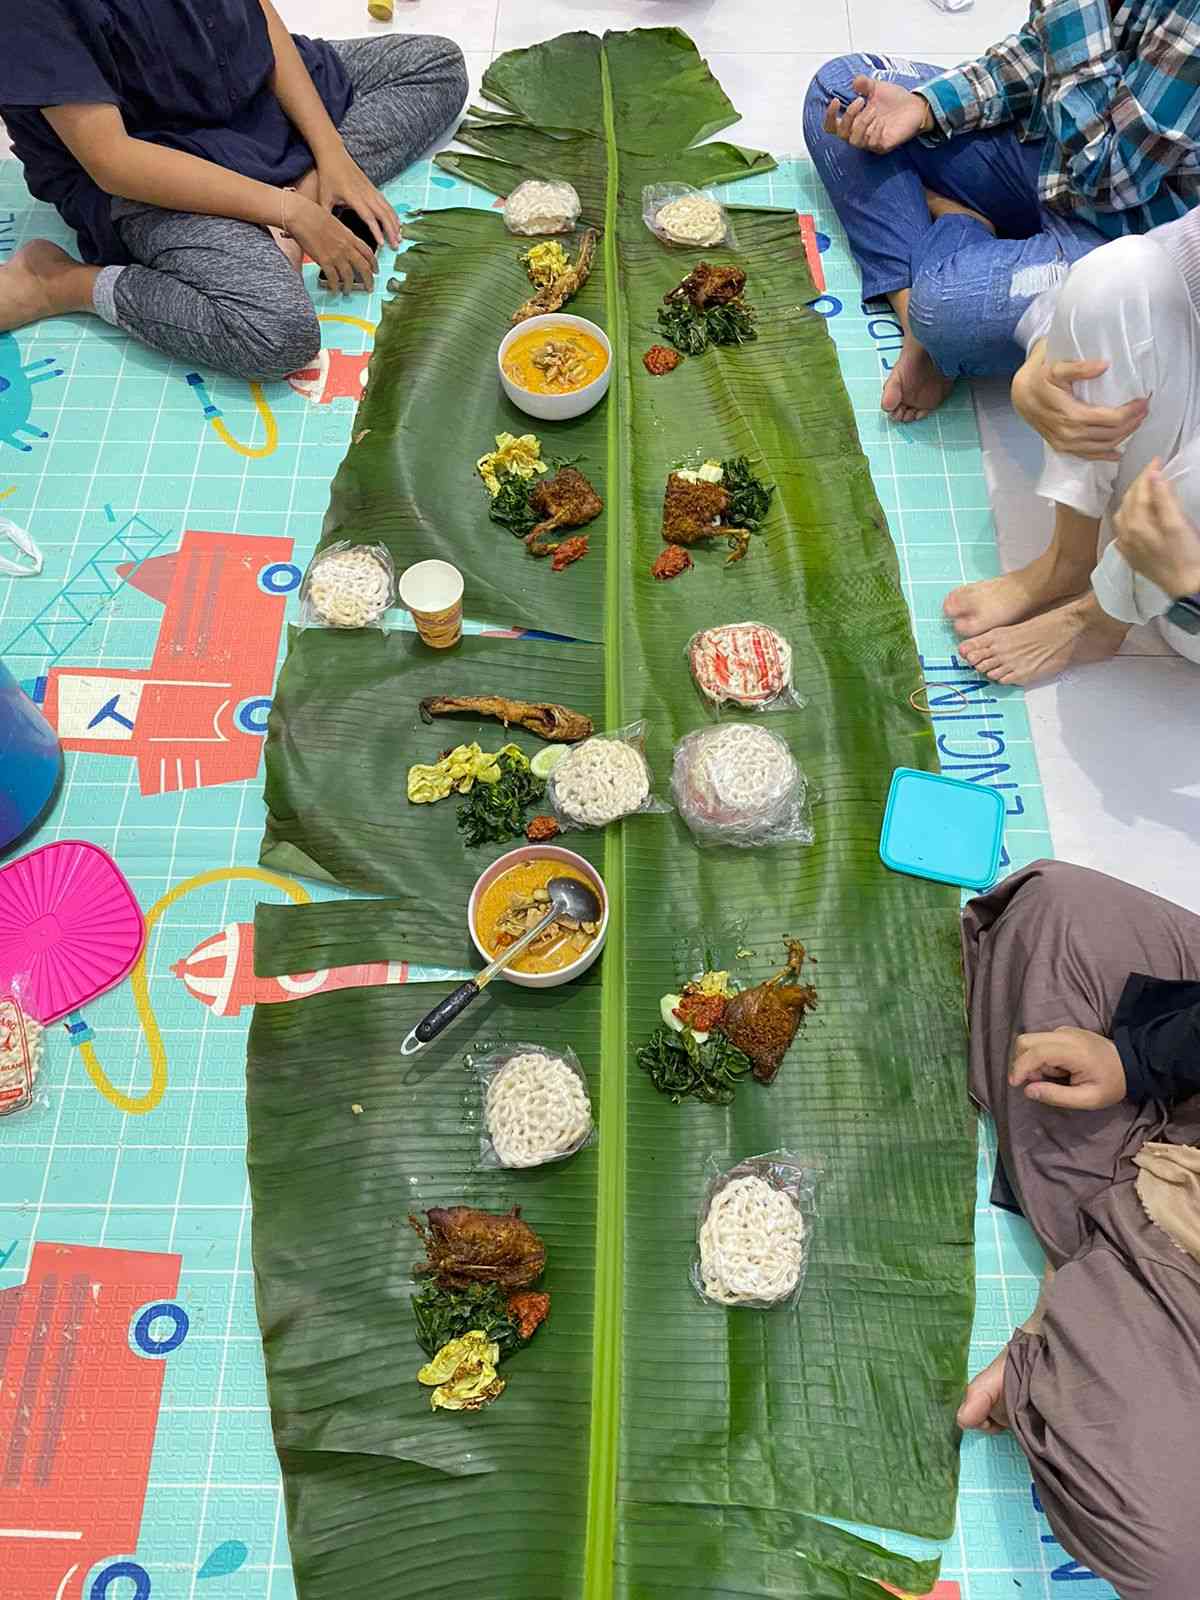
x,y
433,591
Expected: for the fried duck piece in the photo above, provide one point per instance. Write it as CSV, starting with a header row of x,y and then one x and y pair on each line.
x,y
567,500
709,286
559,290
465,1246
557,724
691,513
764,1020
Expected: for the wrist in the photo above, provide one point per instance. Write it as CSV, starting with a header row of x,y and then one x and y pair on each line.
x,y
327,150
1183,581
928,125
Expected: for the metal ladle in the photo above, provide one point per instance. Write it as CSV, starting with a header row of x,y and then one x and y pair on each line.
x,y
569,897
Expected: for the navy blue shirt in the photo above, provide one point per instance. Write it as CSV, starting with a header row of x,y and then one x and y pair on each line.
x,y
193,75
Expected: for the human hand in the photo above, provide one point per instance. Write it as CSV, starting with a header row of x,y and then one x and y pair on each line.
x,y
341,256
1070,1068
342,182
1155,537
881,118
1043,393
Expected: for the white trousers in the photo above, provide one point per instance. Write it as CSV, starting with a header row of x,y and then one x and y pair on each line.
x,y
1127,304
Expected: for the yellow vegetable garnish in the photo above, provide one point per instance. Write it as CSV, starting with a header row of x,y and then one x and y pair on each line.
x,y
713,983
463,1373
522,456
544,262
458,772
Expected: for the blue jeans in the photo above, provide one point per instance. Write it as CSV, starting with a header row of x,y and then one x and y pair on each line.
x,y
969,286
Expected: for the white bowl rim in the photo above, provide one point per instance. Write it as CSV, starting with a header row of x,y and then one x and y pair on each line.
x,y
513,858
544,319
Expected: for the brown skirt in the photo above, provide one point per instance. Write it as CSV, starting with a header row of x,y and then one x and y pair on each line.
x,y
1105,1399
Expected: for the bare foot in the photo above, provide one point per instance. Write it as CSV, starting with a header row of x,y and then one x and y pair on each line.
x,y
939,206
973,608
40,280
914,386
983,1405
1072,635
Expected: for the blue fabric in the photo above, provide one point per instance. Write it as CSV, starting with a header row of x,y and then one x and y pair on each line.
x,y
969,287
193,75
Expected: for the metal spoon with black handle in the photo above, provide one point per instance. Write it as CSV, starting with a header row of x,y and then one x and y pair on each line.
x,y
569,897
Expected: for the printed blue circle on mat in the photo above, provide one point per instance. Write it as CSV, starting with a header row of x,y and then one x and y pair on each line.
x,y
251,715
280,577
103,1582
148,1343
942,828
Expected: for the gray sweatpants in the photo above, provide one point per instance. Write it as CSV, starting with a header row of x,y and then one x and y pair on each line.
x,y
221,294
1105,1399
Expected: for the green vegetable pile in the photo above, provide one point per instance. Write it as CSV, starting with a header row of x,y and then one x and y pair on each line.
x,y
445,1314
680,1067
749,497
494,812
691,329
510,505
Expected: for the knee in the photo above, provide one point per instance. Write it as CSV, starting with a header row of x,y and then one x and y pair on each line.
x,y
444,71
275,338
1058,890
1104,282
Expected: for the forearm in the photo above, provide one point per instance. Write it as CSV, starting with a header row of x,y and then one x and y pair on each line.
x,y
296,92
134,169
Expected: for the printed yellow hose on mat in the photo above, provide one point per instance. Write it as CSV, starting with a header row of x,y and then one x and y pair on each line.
x,y
270,427
139,1105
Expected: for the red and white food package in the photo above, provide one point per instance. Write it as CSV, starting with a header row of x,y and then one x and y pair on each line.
x,y
745,665
20,1055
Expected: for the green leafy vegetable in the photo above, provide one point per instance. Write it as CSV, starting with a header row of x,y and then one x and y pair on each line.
x,y
692,330
679,1067
493,812
510,505
749,497
445,1314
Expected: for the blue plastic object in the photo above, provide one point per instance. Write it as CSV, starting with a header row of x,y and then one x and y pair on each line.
x,y
942,828
30,761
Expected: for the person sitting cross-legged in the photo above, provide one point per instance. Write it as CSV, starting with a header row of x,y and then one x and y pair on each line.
x,y
964,194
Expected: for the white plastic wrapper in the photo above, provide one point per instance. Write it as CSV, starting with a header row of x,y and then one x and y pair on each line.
x,y
534,1104
754,1232
738,784
22,1053
745,665
952,5
685,217
348,586
541,206
603,779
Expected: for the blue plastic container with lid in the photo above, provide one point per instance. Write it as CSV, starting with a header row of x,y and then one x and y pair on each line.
x,y
943,828
30,761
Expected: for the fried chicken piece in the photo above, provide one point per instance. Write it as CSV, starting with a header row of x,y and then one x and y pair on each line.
x,y
659,360
465,1246
763,1021
530,1310
709,286
568,551
539,829
692,512
560,288
554,723
567,500
670,563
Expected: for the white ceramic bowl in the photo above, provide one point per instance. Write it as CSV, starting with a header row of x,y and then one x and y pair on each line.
x,y
540,852
555,407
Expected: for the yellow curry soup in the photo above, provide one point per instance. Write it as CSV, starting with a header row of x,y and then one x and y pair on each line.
x,y
555,360
519,898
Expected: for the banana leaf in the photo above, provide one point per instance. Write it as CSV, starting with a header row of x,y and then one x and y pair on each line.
x,y
648,1445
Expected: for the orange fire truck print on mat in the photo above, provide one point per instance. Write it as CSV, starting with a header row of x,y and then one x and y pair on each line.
x,y
82,1346
197,714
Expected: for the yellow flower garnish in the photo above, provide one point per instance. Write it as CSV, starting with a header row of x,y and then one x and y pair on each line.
x,y
522,456
463,1374
544,262
457,773
714,983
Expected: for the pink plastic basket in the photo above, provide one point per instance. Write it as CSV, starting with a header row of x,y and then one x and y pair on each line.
x,y
70,927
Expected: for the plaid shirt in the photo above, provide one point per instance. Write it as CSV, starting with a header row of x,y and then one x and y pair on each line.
x,y
1116,100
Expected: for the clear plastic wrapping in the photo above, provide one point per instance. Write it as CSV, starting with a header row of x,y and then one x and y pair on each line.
x,y
348,586
689,219
534,1104
541,206
603,779
754,1232
736,783
22,1052
743,664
